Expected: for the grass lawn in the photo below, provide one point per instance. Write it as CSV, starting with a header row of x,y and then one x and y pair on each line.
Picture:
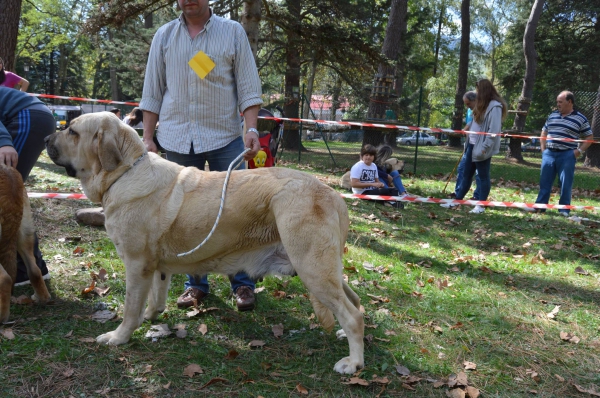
x,y
505,302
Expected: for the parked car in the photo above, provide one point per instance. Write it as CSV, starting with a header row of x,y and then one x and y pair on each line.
x,y
424,139
532,146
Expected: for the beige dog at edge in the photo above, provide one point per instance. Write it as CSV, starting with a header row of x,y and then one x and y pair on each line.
x,y
274,220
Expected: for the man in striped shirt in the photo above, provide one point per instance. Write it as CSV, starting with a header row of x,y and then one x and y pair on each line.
x,y
558,156
200,115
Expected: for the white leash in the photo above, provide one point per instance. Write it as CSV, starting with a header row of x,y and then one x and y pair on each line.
x,y
236,162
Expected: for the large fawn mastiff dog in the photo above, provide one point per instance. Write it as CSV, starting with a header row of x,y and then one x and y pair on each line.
x,y
274,221
16,235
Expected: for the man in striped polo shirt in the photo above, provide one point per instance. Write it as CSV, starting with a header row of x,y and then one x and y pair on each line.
x,y
558,157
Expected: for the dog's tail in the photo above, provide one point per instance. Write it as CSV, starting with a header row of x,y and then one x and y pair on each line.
x,y
325,315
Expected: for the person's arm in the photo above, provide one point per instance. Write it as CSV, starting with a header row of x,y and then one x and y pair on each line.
x,y
355,183
24,84
150,120
543,136
251,137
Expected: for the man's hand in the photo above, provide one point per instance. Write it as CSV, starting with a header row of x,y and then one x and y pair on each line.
x,y
150,145
251,141
8,156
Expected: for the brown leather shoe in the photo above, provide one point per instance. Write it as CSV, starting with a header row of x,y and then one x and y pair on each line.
x,y
244,298
191,297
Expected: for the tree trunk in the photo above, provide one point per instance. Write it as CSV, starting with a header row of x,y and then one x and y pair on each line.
x,y
438,39
10,14
335,96
114,83
291,139
383,83
148,21
592,157
514,146
309,86
250,21
463,70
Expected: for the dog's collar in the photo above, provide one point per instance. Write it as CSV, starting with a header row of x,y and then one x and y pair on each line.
x,y
132,166
139,159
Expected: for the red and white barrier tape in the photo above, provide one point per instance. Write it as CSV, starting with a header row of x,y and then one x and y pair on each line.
x,y
51,195
419,199
414,199
332,122
414,128
83,99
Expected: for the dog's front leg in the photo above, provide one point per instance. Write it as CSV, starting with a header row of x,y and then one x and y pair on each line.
x,y
137,284
157,296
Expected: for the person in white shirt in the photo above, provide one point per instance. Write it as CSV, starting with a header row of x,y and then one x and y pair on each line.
x,y
364,177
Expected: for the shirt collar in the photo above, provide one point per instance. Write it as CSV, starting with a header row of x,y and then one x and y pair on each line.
x,y
206,25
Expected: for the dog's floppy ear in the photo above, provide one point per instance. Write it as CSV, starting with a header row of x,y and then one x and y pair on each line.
x,y
108,152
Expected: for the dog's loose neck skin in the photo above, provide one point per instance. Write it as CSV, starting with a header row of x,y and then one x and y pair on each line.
x,y
97,185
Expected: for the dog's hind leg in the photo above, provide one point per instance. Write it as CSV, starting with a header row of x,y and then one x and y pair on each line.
x,y
320,268
139,275
25,246
157,296
6,284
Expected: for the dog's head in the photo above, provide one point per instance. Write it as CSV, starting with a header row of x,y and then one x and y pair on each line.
x,y
96,148
394,164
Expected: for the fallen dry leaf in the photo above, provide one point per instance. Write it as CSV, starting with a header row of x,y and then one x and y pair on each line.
x,y
192,369
157,331
581,271
569,337
301,389
103,315
7,333
203,329
472,392
101,291
68,373
277,330
586,391
455,393
469,365
89,289
357,381
256,343
402,370
553,313
87,339
232,354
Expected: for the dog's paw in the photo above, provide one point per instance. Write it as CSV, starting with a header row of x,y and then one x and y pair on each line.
x,y
41,300
347,366
111,338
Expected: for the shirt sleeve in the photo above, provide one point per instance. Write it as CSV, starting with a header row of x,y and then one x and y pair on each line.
x,y
585,129
5,138
155,82
246,74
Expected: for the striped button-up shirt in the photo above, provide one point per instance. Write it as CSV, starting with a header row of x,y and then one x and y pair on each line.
x,y
574,126
205,112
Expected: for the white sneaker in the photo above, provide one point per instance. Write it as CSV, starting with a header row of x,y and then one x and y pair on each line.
x,y
448,206
477,210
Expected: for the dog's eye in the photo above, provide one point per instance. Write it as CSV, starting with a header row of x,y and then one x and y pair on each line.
x,y
71,132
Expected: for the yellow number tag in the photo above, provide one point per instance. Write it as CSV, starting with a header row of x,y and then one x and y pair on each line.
x,y
201,64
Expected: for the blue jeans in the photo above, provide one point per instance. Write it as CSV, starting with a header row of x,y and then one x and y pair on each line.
x,y
218,160
460,171
397,181
561,163
483,172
